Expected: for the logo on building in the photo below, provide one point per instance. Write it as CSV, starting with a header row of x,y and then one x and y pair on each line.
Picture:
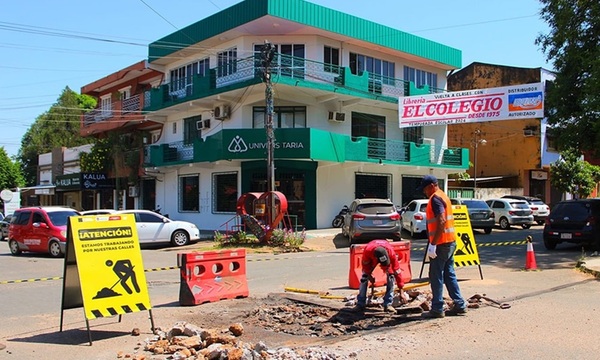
x,y
237,145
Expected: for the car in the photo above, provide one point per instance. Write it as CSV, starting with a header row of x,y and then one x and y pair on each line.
x,y
537,205
573,221
371,218
480,214
154,228
39,229
4,227
511,212
414,219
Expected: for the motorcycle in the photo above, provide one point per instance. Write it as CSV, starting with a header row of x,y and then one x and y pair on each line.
x,y
338,220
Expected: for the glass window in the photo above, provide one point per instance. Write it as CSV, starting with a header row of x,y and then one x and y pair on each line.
x,y
331,58
421,78
225,192
190,129
149,218
183,76
23,218
227,62
380,69
283,117
189,193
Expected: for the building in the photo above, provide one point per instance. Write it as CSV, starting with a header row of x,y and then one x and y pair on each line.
x,y
507,154
335,81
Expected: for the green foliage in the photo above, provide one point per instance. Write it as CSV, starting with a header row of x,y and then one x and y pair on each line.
x,y
572,101
572,175
57,127
235,239
10,172
98,159
287,239
284,239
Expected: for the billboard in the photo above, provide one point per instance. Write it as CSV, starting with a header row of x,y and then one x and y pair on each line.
x,y
471,106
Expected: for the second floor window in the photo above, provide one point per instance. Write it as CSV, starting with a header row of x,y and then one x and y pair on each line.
x,y
420,77
331,58
380,69
183,76
226,62
284,117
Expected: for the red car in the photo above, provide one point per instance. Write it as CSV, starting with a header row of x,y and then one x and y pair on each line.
x,y
39,229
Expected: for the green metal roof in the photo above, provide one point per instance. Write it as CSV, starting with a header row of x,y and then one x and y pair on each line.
x,y
307,14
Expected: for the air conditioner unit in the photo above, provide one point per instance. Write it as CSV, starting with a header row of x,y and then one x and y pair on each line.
x,y
133,191
221,112
199,125
335,116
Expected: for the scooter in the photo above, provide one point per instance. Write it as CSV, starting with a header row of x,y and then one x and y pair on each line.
x,y
338,220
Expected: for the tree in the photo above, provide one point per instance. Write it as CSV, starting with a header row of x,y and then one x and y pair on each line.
x,y
57,127
572,101
10,172
572,175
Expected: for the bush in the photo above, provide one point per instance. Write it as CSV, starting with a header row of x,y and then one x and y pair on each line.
x,y
287,238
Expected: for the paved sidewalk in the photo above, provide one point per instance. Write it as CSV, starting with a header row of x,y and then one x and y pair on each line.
x,y
590,265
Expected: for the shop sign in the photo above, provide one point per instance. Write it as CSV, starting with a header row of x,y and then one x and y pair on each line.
x,y
252,143
94,181
68,182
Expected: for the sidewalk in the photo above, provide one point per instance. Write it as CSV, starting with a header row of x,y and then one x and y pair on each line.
x,y
590,265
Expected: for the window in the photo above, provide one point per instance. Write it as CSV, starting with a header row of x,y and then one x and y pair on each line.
x,y
190,129
174,128
226,62
106,106
189,193
331,58
183,76
23,218
284,117
225,192
421,78
38,218
290,64
383,71
413,134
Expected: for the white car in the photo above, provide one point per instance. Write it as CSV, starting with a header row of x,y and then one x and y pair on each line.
x,y
414,219
153,228
511,212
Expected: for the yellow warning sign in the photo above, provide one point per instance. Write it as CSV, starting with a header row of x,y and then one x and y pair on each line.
x,y
109,262
466,249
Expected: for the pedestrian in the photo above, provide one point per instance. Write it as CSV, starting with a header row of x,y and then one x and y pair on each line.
x,y
440,249
380,252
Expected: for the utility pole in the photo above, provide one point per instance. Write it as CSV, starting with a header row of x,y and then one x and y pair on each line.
x,y
267,54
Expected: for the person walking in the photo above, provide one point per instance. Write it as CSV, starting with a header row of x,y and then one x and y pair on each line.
x,y
380,252
441,247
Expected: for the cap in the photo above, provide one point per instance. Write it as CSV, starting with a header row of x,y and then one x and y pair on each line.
x,y
382,255
427,180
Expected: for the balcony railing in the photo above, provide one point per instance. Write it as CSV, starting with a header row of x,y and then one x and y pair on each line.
x,y
119,108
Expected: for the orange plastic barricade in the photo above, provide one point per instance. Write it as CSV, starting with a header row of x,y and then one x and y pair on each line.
x,y
402,250
212,276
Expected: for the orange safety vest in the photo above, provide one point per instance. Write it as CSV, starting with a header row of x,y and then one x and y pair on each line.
x,y
448,235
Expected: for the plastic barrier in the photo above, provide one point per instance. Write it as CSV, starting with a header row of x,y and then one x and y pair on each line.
x,y
212,276
402,250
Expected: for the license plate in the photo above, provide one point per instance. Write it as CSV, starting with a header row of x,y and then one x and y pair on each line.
x,y
478,216
377,222
566,236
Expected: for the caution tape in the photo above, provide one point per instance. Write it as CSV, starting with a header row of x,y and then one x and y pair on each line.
x,y
500,243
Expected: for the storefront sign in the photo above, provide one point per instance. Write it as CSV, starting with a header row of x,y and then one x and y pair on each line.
x,y
252,143
83,181
457,107
68,182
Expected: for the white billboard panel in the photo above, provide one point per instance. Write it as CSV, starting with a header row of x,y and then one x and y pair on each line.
x,y
469,106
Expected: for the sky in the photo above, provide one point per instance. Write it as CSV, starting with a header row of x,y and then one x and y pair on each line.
x,y
46,46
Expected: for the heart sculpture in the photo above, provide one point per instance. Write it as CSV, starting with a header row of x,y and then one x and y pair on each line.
x,y
262,212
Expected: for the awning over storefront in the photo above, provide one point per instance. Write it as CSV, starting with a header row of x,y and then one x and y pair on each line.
x,y
40,189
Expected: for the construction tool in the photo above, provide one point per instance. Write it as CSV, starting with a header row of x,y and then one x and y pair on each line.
x,y
372,295
477,297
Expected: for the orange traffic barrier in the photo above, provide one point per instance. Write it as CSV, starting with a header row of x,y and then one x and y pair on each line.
x,y
402,250
530,263
212,276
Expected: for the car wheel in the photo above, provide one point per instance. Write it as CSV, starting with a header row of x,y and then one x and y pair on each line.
x,y
504,224
14,247
487,230
526,226
549,245
180,238
54,249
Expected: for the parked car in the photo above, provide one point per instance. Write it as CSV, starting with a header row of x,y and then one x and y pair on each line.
x,y
413,218
539,208
39,229
371,218
4,227
480,214
511,212
154,228
573,221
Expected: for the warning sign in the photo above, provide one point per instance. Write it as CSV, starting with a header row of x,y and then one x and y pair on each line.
x,y
466,249
109,265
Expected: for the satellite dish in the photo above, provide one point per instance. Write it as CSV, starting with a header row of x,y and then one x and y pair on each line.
x,y
6,195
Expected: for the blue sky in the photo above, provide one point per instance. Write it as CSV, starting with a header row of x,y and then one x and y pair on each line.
x,y
93,40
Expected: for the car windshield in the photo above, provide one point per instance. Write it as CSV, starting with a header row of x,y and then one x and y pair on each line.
x,y
375,208
520,205
537,202
60,218
475,204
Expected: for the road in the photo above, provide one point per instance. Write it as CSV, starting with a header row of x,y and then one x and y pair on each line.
x,y
555,312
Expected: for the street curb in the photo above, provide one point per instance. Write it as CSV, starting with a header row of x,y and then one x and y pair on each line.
x,y
581,267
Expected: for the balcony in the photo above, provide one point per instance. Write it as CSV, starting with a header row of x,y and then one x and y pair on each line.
x,y
305,144
286,70
118,115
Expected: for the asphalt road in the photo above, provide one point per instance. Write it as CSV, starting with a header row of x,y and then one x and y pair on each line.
x,y
556,305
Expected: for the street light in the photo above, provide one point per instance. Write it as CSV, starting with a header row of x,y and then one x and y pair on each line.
x,y
477,140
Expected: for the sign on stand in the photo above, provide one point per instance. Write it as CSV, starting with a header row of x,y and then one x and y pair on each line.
x,y
104,272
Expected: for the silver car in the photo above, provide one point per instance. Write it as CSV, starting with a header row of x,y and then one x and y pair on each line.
x,y
480,214
511,212
371,218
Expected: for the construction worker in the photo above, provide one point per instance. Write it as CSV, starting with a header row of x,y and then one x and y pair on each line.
x,y
440,249
382,253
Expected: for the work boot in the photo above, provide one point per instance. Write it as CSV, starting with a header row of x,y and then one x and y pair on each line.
x,y
456,311
358,308
389,309
432,315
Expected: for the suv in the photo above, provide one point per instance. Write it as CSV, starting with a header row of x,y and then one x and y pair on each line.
x,y
539,208
480,214
371,219
511,212
574,221
39,229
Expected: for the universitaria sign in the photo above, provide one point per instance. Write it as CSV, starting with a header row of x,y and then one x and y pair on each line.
x,y
469,106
